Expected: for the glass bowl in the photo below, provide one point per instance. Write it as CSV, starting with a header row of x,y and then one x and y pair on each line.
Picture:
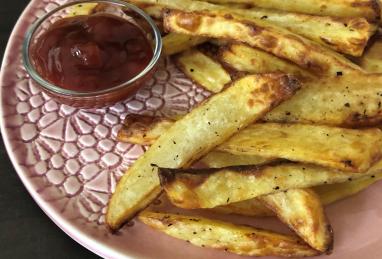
x,y
97,98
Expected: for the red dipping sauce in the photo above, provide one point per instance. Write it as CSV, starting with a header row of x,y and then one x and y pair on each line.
x,y
91,52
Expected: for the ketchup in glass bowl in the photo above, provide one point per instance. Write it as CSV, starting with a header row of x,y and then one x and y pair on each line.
x,y
92,60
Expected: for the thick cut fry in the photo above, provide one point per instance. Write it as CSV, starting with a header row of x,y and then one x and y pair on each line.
x,y
203,70
243,58
349,101
333,192
328,193
238,239
359,149
253,207
198,188
174,43
256,33
219,159
339,8
264,142
143,130
207,126
303,212
346,35
371,61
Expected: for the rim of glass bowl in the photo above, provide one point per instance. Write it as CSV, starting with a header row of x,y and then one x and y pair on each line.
x,y
56,89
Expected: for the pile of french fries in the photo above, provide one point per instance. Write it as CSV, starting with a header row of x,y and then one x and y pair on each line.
x,y
291,126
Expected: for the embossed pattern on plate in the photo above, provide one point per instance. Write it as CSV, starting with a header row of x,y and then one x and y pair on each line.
x,y
70,161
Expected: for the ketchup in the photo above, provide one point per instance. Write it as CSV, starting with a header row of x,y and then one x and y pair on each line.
x,y
91,52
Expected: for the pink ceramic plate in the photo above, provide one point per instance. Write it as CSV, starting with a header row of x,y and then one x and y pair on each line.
x,y
69,160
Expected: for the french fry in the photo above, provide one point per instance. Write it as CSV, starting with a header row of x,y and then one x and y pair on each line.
x,y
203,70
371,61
246,59
333,192
346,35
302,211
219,159
264,142
339,8
328,193
191,137
197,188
253,207
256,33
174,43
143,130
315,144
238,239
348,101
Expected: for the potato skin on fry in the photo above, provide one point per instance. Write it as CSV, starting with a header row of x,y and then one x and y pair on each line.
x,y
198,188
264,142
345,35
238,239
328,194
243,58
302,211
203,70
143,130
352,101
263,35
359,149
253,207
337,8
371,61
348,35
219,159
174,43
191,137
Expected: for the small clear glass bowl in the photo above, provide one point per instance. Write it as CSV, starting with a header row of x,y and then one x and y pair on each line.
x,y
104,97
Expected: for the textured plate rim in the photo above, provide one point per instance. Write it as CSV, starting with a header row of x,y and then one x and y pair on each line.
x,y
68,228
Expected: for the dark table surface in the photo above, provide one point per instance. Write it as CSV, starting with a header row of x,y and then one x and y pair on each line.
x,y
25,231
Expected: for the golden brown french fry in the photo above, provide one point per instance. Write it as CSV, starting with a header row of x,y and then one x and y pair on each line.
x,y
238,239
203,70
334,192
339,8
197,188
328,193
253,207
302,211
315,144
143,130
174,43
191,137
219,159
264,142
346,35
371,61
256,33
246,59
348,101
